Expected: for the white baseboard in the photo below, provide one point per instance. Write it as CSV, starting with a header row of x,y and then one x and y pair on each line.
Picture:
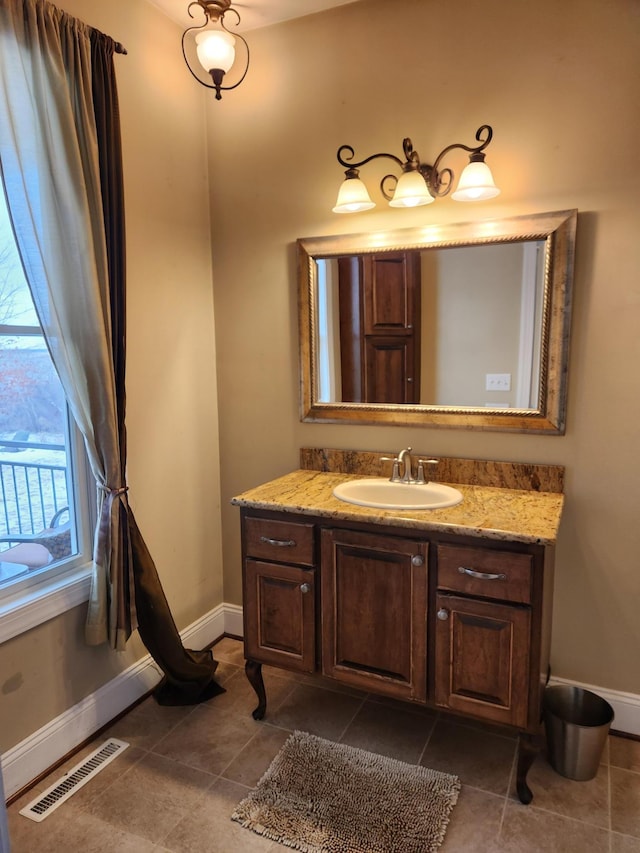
x,y
42,749
233,620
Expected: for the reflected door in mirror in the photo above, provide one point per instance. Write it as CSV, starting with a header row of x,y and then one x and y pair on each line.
x,y
379,327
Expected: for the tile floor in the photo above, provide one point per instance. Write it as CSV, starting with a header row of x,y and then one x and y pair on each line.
x,y
174,788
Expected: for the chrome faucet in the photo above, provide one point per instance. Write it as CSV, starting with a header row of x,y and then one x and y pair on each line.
x,y
404,458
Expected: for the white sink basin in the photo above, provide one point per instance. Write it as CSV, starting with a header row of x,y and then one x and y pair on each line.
x,y
383,494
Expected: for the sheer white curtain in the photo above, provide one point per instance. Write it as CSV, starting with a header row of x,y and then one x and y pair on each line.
x,y
50,167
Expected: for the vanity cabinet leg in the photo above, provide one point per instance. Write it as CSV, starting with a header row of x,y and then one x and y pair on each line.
x,y
528,749
253,672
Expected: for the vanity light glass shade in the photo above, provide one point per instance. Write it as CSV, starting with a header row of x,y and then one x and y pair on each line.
x,y
353,197
476,183
216,50
411,191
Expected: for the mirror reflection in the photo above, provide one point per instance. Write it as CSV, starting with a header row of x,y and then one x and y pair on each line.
x,y
458,325
439,327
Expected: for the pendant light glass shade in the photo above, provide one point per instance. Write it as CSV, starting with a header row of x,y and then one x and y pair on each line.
x,y
411,191
216,50
353,197
476,183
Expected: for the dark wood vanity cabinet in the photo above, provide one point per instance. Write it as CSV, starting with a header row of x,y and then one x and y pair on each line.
x,y
455,622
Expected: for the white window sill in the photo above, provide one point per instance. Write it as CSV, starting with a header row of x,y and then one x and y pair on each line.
x,y
31,607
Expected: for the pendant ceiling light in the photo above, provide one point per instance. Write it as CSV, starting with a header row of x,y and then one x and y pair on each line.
x,y
215,46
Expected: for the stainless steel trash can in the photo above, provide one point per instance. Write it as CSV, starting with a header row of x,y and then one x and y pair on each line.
x,y
577,724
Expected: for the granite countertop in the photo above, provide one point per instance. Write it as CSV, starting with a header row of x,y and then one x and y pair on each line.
x,y
487,512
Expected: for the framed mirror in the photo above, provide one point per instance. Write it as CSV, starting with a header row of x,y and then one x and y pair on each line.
x,y
461,325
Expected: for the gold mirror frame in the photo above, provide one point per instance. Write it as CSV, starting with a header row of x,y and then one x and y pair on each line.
x,y
556,229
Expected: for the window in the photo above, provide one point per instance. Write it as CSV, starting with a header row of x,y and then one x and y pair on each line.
x,y
44,488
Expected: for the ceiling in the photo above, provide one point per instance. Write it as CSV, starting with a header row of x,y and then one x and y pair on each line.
x,y
254,13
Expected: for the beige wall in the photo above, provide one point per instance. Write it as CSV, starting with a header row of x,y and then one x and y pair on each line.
x,y
471,302
559,84
172,408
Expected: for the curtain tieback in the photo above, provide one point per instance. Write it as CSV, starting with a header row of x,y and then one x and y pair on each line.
x,y
104,525
111,494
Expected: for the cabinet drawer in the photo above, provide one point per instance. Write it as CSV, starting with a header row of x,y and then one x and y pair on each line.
x,y
280,541
503,575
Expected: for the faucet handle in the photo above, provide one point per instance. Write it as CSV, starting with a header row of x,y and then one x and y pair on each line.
x,y
421,463
395,473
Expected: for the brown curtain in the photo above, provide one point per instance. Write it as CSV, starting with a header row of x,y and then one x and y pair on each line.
x,y
188,674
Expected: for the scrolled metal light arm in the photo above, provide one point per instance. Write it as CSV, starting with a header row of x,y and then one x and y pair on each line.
x,y
439,181
484,135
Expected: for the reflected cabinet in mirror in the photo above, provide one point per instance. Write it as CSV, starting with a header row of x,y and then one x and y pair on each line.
x,y
463,325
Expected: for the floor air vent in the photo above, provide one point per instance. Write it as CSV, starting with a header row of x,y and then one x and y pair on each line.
x,y
74,779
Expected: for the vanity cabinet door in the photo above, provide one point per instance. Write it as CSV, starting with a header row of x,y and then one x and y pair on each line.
x,y
279,615
482,658
374,612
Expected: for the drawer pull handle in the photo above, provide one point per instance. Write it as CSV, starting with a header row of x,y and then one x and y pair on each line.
x,y
483,576
443,614
305,588
279,543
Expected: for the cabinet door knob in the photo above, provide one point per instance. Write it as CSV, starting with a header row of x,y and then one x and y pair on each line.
x,y
443,614
305,588
417,560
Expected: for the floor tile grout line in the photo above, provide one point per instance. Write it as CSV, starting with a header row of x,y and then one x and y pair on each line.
x,y
434,721
188,812
285,697
357,711
579,820
513,771
242,749
170,730
469,724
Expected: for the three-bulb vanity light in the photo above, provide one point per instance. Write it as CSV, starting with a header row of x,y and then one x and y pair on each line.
x,y
419,182
214,44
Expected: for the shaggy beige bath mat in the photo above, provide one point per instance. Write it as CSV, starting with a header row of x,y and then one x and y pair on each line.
x,y
323,797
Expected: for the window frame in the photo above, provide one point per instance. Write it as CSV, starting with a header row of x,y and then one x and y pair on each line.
x,y
49,592
45,593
